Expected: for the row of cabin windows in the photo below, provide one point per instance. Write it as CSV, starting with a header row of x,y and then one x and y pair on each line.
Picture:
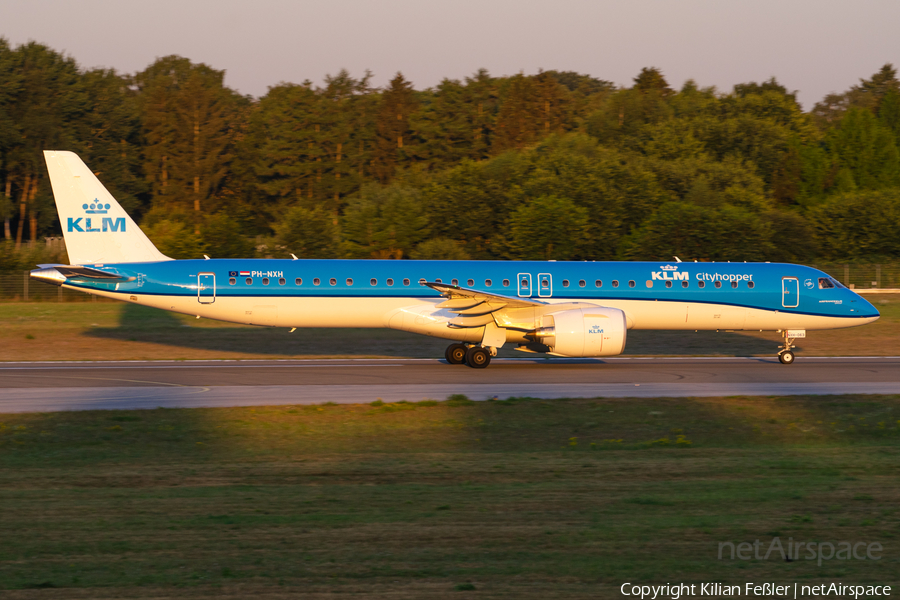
x,y
373,281
487,282
545,284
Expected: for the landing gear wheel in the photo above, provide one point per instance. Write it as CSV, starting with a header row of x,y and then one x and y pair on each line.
x,y
455,354
478,357
786,355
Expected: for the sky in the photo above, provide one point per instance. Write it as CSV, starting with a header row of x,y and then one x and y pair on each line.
x,y
812,46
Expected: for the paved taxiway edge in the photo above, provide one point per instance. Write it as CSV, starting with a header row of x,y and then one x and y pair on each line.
x,y
119,398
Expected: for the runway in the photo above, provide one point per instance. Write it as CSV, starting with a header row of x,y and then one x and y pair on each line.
x,y
39,387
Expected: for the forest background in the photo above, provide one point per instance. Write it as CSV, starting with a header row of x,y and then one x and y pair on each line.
x,y
558,165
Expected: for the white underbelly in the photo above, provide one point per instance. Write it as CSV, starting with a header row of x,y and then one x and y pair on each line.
x,y
419,316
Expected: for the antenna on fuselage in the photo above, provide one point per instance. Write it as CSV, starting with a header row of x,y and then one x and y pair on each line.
x,y
676,259
294,256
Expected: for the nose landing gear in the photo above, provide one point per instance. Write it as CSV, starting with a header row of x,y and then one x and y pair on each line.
x,y
786,355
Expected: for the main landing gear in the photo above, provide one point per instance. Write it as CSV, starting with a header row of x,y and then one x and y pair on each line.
x,y
476,357
786,355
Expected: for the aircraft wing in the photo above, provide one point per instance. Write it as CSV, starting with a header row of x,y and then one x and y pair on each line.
x,y
476,307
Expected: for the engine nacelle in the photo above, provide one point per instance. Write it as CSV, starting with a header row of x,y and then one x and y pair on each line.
x,y
581,332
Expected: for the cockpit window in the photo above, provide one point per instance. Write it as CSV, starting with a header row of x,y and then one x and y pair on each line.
x,y
825,283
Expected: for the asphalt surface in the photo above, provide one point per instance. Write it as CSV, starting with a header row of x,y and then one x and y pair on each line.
x,y
38,387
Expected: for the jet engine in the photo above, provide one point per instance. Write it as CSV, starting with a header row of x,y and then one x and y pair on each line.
x,y
581,332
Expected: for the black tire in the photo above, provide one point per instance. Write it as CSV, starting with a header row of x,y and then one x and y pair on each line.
x,y
455,354
786,358
478,357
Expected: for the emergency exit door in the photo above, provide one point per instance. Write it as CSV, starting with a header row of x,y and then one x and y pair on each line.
x,y
524,285
545,285
206,288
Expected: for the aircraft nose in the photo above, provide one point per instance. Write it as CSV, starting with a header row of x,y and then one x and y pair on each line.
x,y
866,309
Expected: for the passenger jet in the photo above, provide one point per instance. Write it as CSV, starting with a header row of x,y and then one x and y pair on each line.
x,y
573,309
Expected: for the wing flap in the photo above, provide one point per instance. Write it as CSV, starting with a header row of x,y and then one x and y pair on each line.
x,y
455,293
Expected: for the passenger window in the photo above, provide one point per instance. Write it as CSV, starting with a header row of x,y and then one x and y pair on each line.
x,y
349,281
332,281
701,284
470,282
506,283
316,281
454,282
390,282
649,283
298,281
734,285
684,284
668,284
582,283
422,281
249,281
265,281
232,281
545,284
565,283
406,282
598,283
281,281
825,283
615,283
488,282
438,281
373,281
718,284
631,283
751,285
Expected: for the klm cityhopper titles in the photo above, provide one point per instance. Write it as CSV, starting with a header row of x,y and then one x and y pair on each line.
x,y
575,309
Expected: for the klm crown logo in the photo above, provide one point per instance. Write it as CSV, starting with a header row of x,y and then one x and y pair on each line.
x,y
95,208
669,268
106,224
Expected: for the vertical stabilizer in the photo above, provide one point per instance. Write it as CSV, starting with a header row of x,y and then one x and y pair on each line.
x,y
96,228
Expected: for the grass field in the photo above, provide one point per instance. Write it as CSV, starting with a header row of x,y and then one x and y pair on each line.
x,y
504,499
116,331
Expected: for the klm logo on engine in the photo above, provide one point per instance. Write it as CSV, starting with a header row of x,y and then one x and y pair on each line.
x,y
595,329
670,273
106,223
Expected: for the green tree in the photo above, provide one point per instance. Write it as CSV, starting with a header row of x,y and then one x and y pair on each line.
x,y
699,232
859,226
47,104
626,112
889,114
398,102
307,232
531,108
547,228
456,121
440,249
191,123
383,222
866,151
223,237
110,132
